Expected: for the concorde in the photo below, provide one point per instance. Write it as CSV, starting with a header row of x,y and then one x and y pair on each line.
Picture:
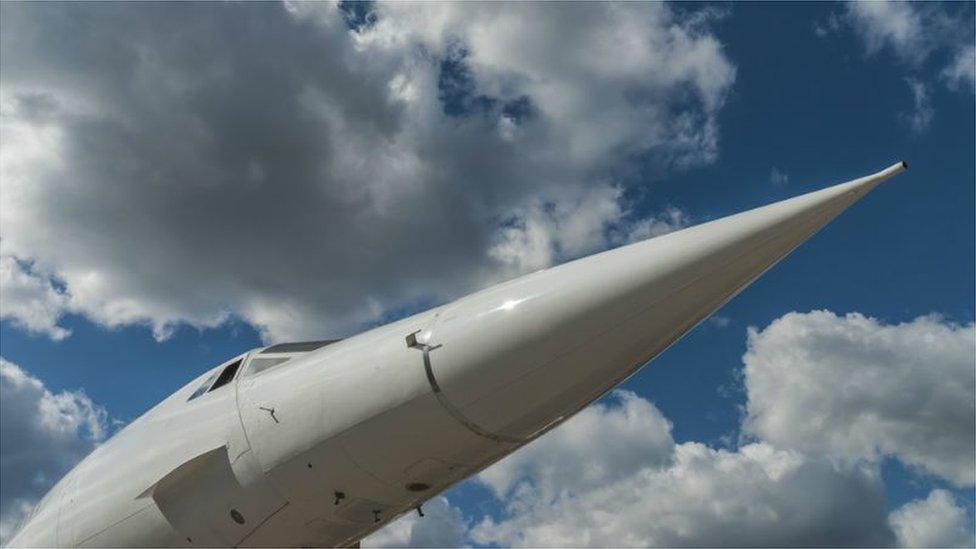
x,y
321,443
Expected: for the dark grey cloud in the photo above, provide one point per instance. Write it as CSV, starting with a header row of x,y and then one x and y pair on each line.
x,y
168,163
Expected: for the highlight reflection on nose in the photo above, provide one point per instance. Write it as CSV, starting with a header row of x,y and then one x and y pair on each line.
x,y
510,304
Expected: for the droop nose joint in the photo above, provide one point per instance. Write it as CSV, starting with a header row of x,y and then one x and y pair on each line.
x,y
426,348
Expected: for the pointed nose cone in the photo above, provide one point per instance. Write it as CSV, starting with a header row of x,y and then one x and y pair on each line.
x,y
797,212
519,357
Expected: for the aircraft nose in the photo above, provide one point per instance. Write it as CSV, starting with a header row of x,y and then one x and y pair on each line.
x,y
517,358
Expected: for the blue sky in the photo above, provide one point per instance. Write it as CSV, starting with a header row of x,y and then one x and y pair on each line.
x,y
818,93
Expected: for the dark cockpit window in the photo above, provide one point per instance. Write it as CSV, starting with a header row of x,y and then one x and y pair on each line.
x,y
203,387
216,380
227,375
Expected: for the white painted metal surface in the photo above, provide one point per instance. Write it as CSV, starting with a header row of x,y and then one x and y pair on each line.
x,y
328,446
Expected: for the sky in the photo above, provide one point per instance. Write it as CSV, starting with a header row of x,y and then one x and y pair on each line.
x,y
181,182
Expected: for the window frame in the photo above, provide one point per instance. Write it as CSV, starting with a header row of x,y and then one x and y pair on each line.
x,y
249,373
208,384
223,378
203,388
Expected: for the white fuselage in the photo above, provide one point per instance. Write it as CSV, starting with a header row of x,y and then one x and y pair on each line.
x,y
331,444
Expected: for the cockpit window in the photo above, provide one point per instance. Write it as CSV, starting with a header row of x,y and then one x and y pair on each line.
x,y
260,364
272,356
203,386
227,375
299,346
218,379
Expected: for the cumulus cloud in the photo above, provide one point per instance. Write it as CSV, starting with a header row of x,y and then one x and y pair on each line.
x,y
308,169
936,521
600,444
442,525
30,301
535,237
542,234
42,434
615,78
671,219
857,388
612,476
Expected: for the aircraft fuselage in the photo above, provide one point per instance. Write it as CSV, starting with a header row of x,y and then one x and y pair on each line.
x,y
321,445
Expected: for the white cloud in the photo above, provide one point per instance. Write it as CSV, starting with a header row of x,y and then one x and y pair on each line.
x,y
544,234
191,167
936,521
671,219
856,388
42,434
778,176
613,476
442,525
601,444
534,239
920,118
30,300
615,78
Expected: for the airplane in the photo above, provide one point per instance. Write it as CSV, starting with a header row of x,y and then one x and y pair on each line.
x,y
321,443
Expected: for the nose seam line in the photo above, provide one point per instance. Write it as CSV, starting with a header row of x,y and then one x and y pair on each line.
x,y
452,410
